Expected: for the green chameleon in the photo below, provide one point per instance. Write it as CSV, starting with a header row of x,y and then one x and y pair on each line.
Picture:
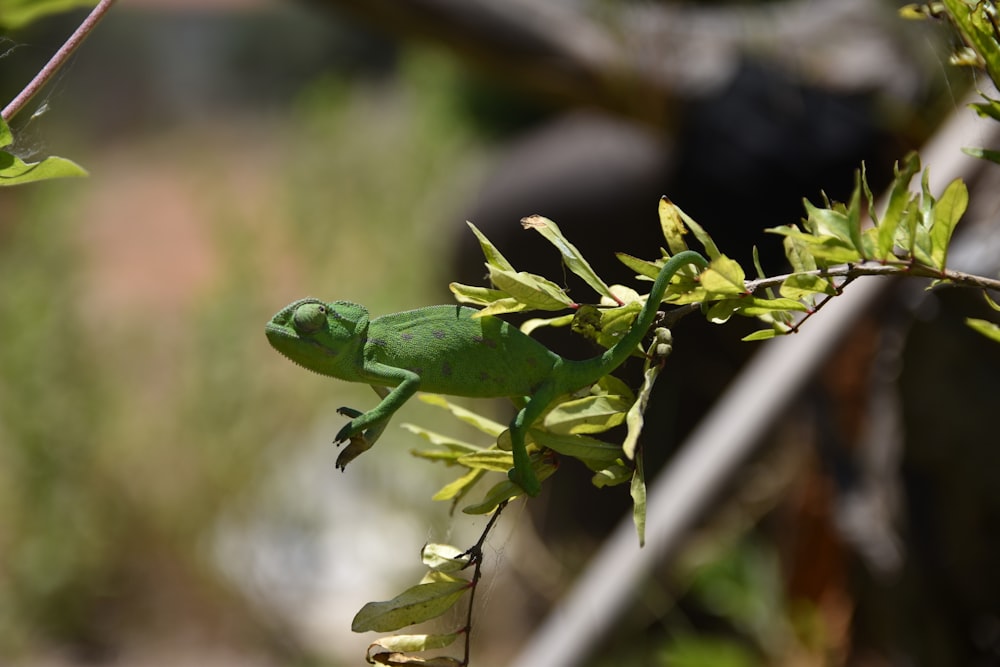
x,y
445,350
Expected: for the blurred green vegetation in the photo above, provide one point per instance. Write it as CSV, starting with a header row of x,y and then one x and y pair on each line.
x,y
128,431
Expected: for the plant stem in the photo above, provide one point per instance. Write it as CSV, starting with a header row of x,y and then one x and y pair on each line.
x,y
58,60
852,271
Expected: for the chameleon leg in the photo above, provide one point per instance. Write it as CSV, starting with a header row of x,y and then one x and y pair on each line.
x,y
522,473
361,442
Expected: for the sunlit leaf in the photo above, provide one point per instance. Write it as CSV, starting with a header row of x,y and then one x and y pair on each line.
x,y
508,490
456,489
699,233
533,290
409,643
802,285
494,258
477,421
985,327
638,492
672,226
570,254
442,558
723,277
15,171
490,460
414,605
947,212
18,13
535,323
762,334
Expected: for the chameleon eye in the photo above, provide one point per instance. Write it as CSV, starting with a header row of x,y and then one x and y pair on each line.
x,y
309,318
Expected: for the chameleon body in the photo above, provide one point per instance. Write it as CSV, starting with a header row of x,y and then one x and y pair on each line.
x,y
445,350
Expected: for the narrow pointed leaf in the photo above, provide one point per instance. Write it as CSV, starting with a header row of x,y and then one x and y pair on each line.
x,y
455,489
985,327
638,492
571,256
672,226
477,421
494,258
947,212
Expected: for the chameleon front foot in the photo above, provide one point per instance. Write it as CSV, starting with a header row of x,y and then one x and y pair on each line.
x,y
358,445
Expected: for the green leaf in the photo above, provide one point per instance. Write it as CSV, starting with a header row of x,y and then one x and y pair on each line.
x,y
480,423
640,266
985,327
411,643
613,475
975,23
14,171
590,414
491,460
443,558
988,109
6,137
699,233
761,334
804,285
983,154
638,492
532,290
593,452
475,295
534,323
508,490
458,447
456,489
16,14
947,212
672,226
854,216
796,250
634,419
723,277
752,306
414,605
494,258
571,256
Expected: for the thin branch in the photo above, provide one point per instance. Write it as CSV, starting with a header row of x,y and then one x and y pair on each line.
x,y
852,271
475,554
58,60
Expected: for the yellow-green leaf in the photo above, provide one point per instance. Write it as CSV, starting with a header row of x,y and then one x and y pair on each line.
x,y
533,290
723,277
672,226
985,327
571,256
947,212
590,414
414,605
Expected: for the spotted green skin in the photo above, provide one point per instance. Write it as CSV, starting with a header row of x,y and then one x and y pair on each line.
x,y
445,350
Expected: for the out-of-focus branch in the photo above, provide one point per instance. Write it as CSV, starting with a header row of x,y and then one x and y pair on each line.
x,y
58,60
636,59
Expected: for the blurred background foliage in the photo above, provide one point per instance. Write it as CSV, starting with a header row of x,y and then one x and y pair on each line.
x,y
167,489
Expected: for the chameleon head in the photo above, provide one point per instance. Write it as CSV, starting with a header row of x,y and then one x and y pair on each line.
x,y
316,335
